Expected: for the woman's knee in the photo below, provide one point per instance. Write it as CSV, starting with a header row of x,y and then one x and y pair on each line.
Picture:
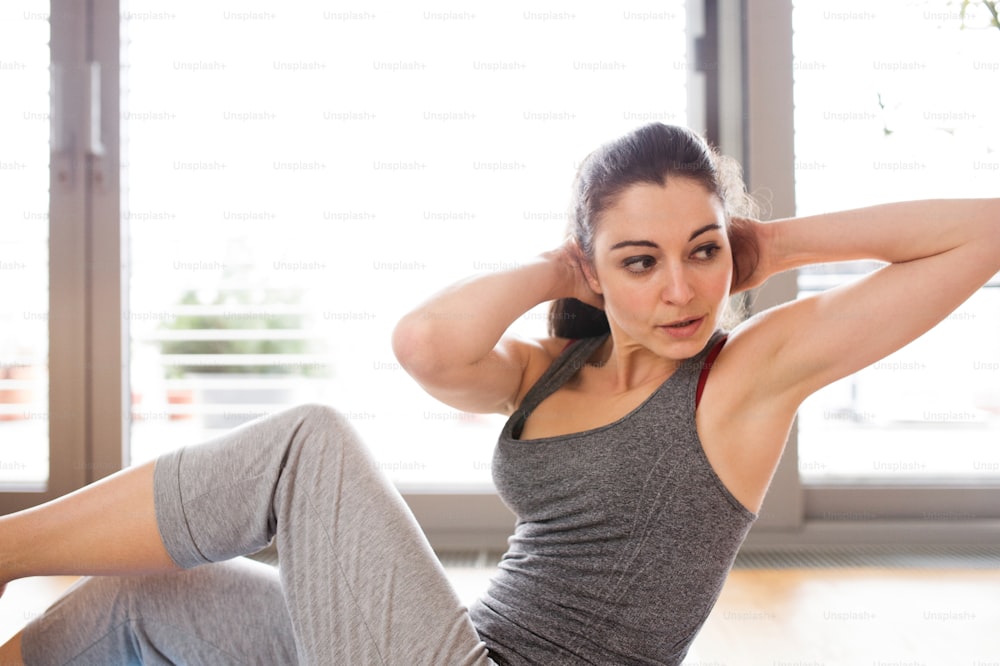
x,y
312,425
327,423
318,412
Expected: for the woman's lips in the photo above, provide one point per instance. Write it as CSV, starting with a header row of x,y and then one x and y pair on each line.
x,y
683,329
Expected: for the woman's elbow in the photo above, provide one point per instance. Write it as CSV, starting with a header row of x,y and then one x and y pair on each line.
x,y
413,345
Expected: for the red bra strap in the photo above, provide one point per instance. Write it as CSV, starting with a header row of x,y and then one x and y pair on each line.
x,y
708,366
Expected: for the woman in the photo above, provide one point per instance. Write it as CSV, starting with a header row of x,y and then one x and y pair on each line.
x,y
640,445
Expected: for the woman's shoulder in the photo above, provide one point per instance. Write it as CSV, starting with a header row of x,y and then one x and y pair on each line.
x,y
742,424
555,346
537,354
543,354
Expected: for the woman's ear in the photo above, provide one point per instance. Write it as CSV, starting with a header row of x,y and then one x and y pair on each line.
x,y
586,266
590,275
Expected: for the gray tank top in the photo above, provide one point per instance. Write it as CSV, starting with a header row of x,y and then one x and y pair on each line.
x,y
624,533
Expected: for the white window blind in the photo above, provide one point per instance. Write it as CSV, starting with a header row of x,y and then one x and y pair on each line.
x,y
300,175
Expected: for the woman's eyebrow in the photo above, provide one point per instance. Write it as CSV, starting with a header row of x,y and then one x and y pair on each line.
x,y
707,227
638,243
646,243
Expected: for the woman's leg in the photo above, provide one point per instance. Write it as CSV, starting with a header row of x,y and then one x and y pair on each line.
x,y
106,528
109,527
230,613
359,579
361,582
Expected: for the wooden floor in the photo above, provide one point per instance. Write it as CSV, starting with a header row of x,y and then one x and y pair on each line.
x,y
874,617
779,617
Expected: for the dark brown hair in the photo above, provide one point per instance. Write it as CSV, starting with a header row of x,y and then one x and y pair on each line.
x,y
653,153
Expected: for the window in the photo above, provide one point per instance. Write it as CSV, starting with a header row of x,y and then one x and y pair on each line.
x,y
24,236
294,180
300,176
911,116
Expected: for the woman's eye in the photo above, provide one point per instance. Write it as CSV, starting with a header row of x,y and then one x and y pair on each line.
x,y
707,251
639,264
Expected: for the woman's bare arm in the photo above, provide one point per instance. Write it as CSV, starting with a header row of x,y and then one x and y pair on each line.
x,y
939,253
456,346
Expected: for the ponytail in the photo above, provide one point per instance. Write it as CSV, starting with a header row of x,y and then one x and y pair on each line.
x,y
571,318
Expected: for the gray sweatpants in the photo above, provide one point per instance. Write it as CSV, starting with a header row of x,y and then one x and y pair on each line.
x,y
357,583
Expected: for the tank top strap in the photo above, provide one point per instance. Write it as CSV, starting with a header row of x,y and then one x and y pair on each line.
x,y
572,358
575,355
714,346
686,382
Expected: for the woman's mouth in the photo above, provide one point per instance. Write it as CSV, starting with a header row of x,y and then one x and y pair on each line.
x,y
685,328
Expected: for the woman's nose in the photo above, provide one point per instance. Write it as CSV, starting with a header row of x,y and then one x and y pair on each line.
x,y
677,288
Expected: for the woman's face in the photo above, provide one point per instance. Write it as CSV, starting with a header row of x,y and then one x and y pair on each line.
x,y
663,262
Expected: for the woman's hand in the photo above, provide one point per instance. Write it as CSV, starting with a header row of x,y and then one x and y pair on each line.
x,y
573,282
753,257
